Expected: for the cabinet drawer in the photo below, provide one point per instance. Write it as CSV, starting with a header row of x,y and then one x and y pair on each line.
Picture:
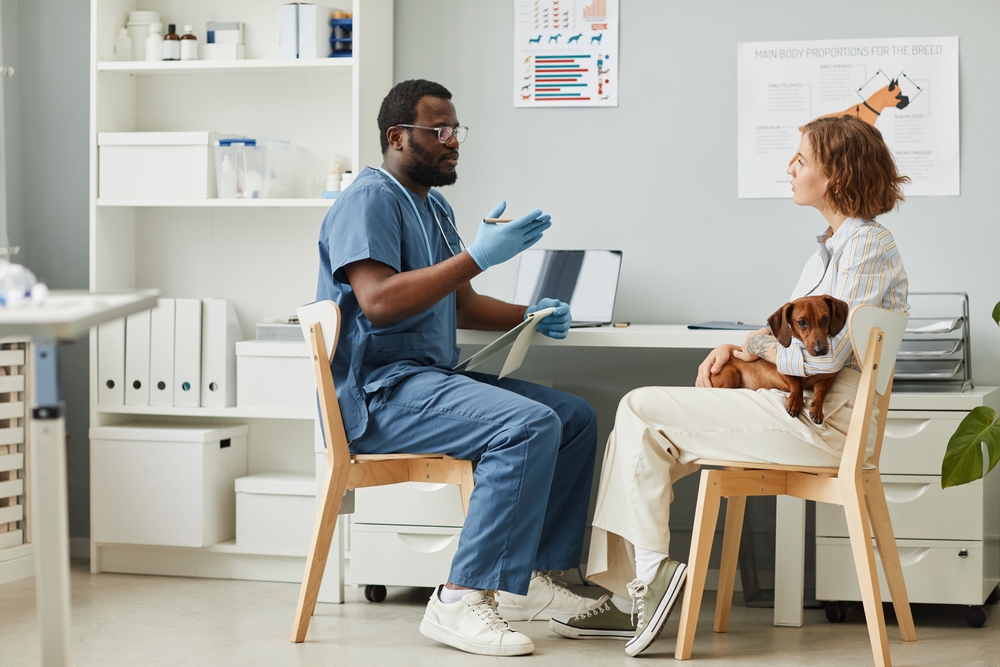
x,y
914,444
933,570
401,555
410,504
919,509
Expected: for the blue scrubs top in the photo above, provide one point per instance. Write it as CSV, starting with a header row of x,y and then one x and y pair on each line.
x,y
373,219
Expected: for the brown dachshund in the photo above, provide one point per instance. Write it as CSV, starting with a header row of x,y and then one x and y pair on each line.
x,y
813,320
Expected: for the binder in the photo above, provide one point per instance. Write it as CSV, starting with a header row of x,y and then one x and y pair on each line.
x,y
111,363
288,31
220,333
314,30
161,354
137,358
187,353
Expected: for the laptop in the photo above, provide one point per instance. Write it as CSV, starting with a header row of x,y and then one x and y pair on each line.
x,y
585,279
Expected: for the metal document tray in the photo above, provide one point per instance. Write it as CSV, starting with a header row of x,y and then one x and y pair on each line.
x,y
929,370
922,349
934,325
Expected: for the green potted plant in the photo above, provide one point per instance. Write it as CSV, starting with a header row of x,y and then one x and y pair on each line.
x,y
975,439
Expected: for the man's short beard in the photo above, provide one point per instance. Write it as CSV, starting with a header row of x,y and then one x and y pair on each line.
x,y
419,169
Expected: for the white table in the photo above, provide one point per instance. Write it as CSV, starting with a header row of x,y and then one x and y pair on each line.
x,y
64,316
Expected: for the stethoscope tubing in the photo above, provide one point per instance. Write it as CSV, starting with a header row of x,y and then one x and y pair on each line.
x,y
427,241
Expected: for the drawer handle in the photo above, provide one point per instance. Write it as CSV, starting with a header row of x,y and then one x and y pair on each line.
x,y
899,429
910,555
903,492
424,487
425,544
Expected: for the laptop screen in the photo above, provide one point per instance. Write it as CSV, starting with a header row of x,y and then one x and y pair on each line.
x,y
585,279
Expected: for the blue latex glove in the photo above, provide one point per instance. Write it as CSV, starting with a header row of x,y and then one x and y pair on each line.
x,y
495,244
555,325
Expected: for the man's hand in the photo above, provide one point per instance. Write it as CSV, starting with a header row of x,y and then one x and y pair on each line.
x,y
713,363
555,325
759,345
496,243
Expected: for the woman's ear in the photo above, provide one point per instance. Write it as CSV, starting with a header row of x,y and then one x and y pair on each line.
x,y
778,322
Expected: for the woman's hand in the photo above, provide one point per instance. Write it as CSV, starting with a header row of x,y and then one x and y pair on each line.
x,y
759,344
713,363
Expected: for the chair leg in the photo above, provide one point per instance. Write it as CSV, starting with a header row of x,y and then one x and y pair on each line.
x,y
705,517
465,488
856,513
319,548
735,508
878,510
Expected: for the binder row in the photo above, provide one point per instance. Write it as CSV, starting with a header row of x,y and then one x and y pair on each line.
x,y
180,354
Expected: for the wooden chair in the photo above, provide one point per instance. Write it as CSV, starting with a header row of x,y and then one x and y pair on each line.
x,y
876,335
344,471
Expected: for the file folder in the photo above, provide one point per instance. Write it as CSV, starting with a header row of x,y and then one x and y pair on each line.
x,y
111,363
161,354
220,333
137,358
187,353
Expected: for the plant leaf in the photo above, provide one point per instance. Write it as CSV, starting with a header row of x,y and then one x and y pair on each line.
x,y
963,459
996,313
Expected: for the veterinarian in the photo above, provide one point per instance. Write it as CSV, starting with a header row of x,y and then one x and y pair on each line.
x,y
392,259
844,170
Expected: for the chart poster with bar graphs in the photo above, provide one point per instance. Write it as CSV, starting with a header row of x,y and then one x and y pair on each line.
x,y
907,87
566,53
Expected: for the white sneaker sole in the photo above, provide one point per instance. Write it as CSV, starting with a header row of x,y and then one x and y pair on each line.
x,y
441,634
561,628
658,619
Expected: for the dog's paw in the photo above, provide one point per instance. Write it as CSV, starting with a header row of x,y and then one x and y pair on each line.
x,y
794,406
817,417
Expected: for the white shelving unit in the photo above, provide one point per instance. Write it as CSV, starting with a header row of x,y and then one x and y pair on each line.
x,y
260,254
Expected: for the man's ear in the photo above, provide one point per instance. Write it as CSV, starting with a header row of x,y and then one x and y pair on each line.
x,y
779,324
394,135
838,314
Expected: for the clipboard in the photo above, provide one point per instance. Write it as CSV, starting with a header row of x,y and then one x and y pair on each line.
x,y
519,336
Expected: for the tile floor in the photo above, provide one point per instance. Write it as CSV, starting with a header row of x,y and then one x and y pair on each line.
x,y
139,621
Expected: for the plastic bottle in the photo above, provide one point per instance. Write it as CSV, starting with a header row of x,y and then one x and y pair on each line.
x,y
171,44
154,43
189,44
227,179
123,45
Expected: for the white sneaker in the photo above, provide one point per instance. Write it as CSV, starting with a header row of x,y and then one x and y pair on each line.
x,y
546,599
473,624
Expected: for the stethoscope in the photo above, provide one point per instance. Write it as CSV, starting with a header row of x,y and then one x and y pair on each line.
x,y
438,204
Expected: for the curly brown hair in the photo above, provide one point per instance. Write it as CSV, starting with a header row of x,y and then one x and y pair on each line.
x,y
863,180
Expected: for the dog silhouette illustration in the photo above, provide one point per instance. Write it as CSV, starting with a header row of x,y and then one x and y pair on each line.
x,y
555,38
890,96
574,38
596,39
535,40
526,87
526,97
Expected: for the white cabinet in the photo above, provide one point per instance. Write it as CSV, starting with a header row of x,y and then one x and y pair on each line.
x,y
948,539
260,254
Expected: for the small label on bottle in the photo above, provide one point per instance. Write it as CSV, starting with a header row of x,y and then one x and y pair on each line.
x,y
171,49
189,49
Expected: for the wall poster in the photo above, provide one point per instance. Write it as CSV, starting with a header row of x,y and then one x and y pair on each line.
x,y
566,53
906,87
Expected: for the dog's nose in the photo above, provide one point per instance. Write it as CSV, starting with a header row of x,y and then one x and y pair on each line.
x,y
819,349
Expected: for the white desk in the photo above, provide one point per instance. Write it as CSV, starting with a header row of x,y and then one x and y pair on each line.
x,y
64,316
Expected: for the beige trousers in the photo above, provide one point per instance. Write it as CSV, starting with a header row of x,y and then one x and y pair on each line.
x,y
659,431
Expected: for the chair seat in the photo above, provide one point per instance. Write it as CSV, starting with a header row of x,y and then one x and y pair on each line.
x,y
363,458
756,465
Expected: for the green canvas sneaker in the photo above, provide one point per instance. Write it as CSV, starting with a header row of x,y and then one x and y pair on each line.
x,y
604,621
653,603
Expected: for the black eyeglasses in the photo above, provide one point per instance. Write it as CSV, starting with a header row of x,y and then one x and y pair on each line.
x,y
444,133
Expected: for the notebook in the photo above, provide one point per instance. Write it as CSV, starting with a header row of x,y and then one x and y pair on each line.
x,y
585,279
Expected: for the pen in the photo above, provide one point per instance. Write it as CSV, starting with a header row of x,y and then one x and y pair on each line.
x,y
621,325
494,221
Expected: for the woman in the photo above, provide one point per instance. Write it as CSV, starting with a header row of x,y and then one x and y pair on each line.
x,y
843,169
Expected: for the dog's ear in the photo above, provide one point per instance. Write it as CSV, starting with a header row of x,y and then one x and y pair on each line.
x,y
779,324
838,315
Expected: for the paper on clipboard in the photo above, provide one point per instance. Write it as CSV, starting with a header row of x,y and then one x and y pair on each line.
x,y
520,336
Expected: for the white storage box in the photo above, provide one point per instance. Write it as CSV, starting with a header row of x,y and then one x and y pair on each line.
x,y
274,375
275,510
165,484
156,165
410,504
401,555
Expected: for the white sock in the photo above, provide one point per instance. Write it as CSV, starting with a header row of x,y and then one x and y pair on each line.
x,y
646,564
450,595
535,573
624,605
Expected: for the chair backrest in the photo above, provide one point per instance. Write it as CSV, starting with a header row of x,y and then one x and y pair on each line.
x,y
876,335
320,324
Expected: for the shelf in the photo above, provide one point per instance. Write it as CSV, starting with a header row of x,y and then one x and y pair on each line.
x,y
224,66
219,203
235,413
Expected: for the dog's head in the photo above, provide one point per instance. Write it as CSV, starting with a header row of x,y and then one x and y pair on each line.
x,y
811,319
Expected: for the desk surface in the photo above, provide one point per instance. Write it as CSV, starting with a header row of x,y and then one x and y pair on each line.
x,y
70,314
634,336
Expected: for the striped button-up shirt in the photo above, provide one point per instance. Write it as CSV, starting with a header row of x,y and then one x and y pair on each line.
x,y
859,264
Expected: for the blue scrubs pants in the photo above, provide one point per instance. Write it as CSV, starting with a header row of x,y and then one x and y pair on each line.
x,y
534,447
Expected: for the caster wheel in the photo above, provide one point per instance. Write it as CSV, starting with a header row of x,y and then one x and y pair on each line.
x,y
975,616
835,612
994,596
374,593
